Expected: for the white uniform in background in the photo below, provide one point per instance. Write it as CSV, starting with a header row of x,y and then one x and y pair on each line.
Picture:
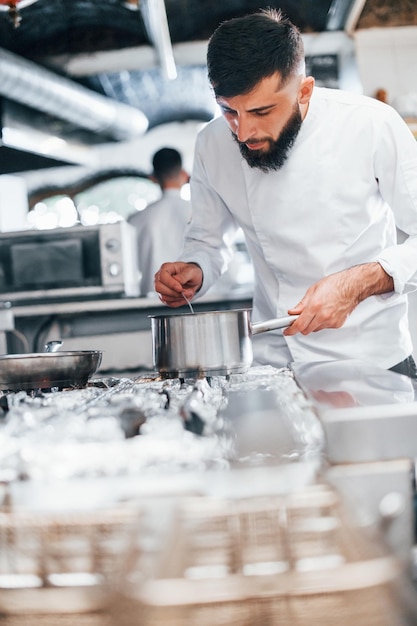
x,y
350,178
160,234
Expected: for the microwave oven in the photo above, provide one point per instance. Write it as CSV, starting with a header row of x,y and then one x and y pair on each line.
x,y
61,263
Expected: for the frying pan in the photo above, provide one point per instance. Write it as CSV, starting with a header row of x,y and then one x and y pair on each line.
x,y
48,369
214,343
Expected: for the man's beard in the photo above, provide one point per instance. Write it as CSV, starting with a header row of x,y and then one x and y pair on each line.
x,y
279,150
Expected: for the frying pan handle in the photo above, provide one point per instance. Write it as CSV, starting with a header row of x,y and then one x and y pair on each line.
x,y
278,322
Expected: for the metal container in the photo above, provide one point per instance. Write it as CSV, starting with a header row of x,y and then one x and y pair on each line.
x,y
214,343
48,369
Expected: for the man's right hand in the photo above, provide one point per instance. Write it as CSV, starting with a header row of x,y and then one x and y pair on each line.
x,y
173,281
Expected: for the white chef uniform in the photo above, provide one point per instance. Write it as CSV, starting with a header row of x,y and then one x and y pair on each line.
x,y
160,234
350,179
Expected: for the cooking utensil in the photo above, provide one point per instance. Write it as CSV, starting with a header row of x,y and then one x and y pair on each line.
x,y
214,343
190,306
48,369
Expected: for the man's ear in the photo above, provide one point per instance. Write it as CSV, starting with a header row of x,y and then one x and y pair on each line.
x,y
185,177
306,89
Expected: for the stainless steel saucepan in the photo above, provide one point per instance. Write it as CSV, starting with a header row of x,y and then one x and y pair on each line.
x,y
48,369
214,343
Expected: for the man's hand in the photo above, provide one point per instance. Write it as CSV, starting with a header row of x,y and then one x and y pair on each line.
x,y
329,302
173,281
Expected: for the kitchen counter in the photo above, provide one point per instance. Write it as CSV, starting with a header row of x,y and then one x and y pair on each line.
x,y
188,500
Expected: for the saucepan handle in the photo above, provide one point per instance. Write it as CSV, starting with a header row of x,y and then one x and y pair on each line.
x,y
278,322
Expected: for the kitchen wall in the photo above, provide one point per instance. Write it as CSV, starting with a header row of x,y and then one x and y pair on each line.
x,y
12,190
387,58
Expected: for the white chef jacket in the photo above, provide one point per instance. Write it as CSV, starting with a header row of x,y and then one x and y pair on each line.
x,y
160,234
350,179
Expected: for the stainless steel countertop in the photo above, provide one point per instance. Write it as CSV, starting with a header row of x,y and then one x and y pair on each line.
x,y
368,414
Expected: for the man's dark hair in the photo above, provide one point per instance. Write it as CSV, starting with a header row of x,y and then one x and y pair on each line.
x,y
166,163
245,50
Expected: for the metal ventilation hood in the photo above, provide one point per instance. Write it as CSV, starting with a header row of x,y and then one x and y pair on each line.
x,y
28,84
24,149
33,86
22,159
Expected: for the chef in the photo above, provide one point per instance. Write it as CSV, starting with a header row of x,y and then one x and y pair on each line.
x,y
170,213
319,180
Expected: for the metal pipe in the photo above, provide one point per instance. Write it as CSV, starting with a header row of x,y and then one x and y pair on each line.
x,y
39,88
156,24
353,16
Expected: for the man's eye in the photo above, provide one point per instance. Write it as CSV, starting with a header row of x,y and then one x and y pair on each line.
x,y
262,113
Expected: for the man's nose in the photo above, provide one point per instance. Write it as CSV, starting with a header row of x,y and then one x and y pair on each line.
x,y
244,128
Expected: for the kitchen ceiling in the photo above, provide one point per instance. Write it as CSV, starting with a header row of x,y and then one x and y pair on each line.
x,y
41,38
43,30
50,27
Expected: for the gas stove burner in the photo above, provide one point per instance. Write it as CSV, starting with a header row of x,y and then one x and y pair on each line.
x,y
103,383
35,392
208,379
6,397
183,381
148,379
4,405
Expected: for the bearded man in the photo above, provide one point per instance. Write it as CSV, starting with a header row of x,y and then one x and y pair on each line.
x,y
318,180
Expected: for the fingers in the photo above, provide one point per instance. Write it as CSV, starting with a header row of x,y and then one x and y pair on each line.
x,y
310,322
298,326
166,280
174,280
324,305
305,325
172,301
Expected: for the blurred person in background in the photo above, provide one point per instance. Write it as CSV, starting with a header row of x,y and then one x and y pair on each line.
x,y
160,227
